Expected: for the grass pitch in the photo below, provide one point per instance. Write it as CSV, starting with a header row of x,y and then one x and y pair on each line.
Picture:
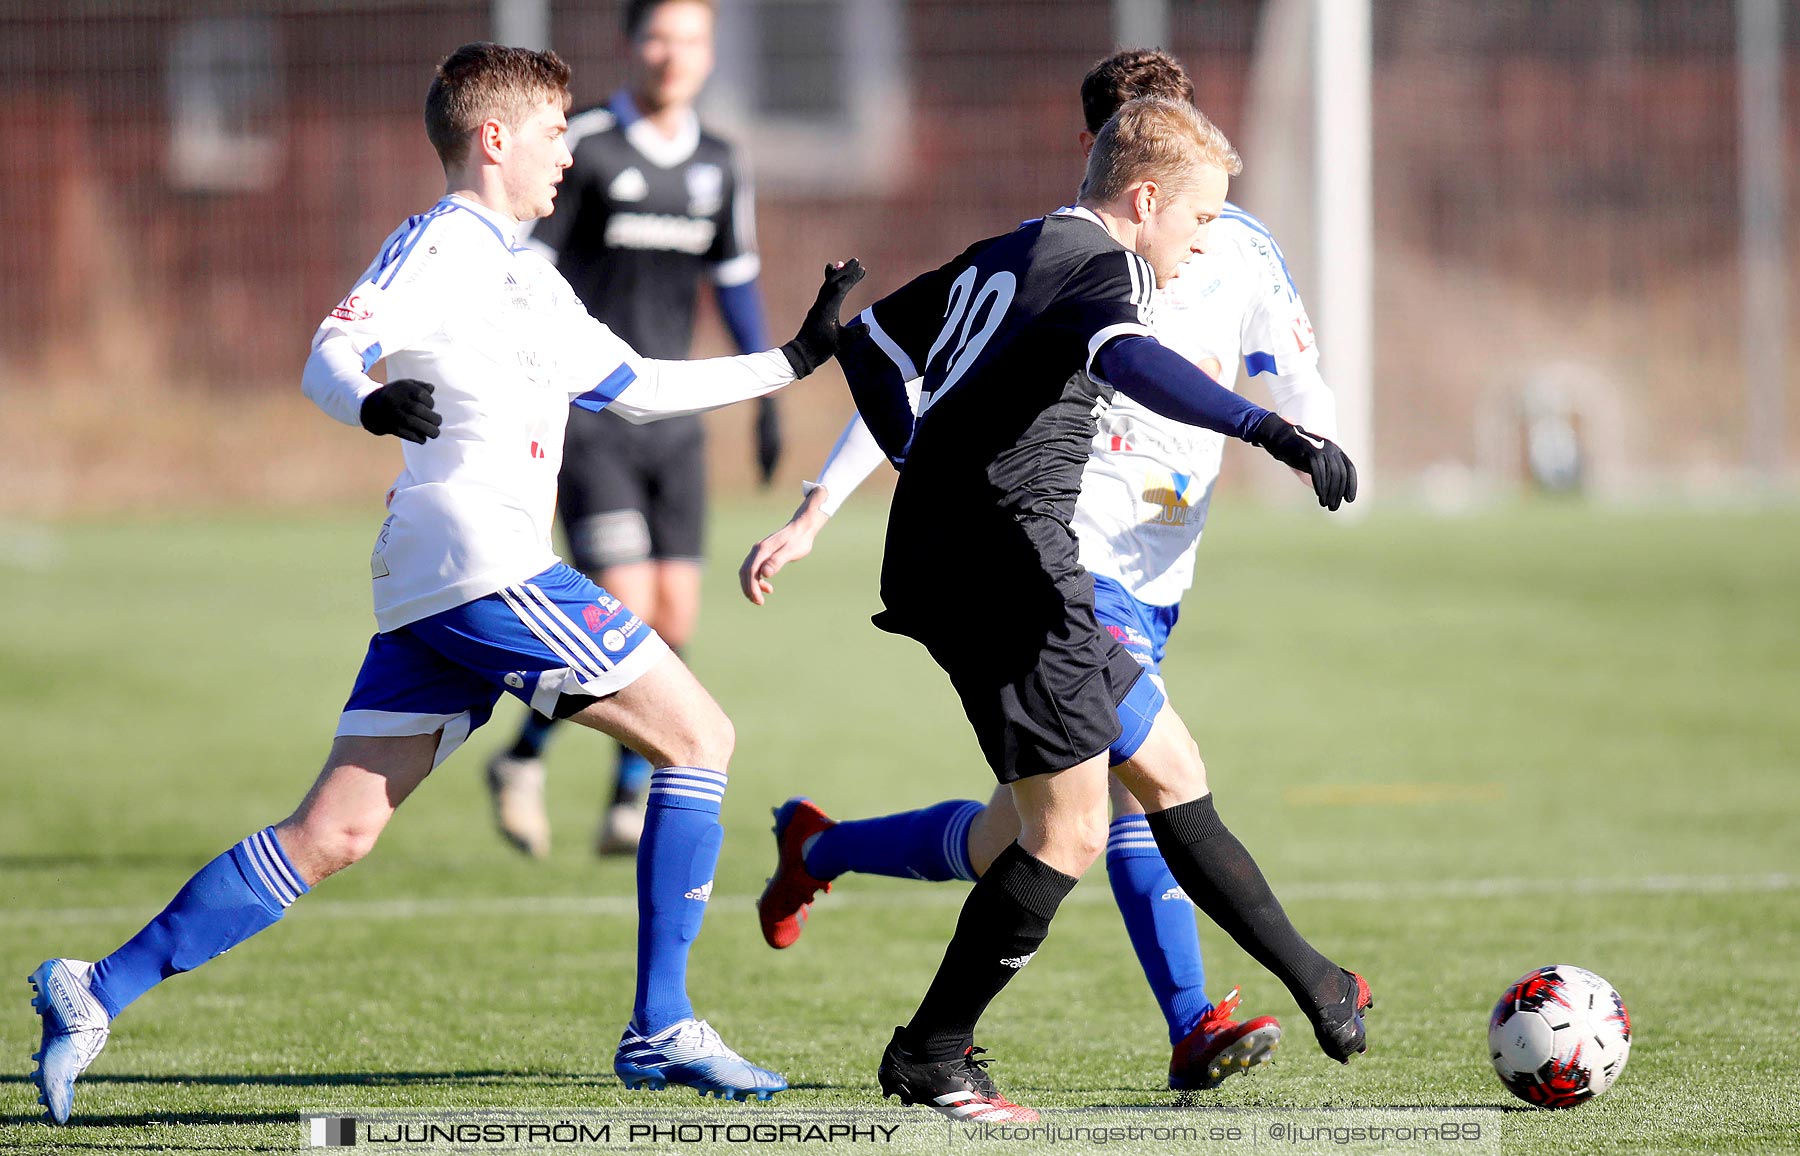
x,y
1460,748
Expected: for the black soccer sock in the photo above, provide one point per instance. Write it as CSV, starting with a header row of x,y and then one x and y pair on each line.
x,y
532,736
1222,879
1003,922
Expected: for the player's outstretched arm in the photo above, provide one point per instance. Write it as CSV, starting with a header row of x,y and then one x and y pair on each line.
x,y
642,390
1149,372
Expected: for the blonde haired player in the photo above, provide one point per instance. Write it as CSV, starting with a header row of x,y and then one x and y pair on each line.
x,y
1018,343
1145,492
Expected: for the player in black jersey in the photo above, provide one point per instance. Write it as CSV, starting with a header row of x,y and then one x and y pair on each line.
x,y
1019,343
652,203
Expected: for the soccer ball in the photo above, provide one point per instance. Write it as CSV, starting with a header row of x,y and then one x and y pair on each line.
x,y
1559,1036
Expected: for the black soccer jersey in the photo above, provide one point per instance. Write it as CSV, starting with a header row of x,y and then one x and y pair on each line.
x,y
1003,338
639,218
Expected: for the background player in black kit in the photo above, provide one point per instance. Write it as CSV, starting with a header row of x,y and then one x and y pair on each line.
x,y
652,204
1019,343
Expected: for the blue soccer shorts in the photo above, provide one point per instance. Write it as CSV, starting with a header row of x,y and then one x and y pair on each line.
x,y
556,634
1143,630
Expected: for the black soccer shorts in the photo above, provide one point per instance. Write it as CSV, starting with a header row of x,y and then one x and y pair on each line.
x,y
632,493
1041,688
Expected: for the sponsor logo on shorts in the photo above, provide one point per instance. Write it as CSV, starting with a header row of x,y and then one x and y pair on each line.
x,y
514,679
1129,637
613,639
591,615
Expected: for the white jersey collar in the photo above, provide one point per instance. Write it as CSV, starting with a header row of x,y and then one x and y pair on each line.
x,y
503,223
659,150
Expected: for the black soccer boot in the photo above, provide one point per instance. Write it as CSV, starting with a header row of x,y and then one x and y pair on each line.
x,y
960,1089
1339,1026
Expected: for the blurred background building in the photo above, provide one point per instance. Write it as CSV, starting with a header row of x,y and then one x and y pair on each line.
x,y
1579,267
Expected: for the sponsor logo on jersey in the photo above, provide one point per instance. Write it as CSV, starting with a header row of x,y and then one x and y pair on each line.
x,y
351,309
629,185
702,892
705,189
1017,961
1169,493
660,231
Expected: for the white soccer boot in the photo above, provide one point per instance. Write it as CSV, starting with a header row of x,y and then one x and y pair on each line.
x,y
621,829
691,1053
517,786
75,1029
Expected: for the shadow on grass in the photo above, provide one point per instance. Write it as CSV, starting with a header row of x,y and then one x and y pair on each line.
x,y
331,1079
73,1129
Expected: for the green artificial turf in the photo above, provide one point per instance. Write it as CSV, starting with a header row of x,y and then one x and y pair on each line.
x,y
1459,748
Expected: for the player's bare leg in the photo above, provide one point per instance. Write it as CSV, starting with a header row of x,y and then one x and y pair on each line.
x,y
993,830
1219,875
667,716
366,778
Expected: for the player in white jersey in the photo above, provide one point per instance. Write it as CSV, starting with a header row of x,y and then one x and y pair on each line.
x,y
1145,493
486,348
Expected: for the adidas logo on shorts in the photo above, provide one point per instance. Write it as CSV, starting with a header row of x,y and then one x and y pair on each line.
x,y
702,892
1017,961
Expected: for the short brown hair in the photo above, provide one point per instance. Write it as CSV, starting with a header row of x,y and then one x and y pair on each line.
x,y
483,81
636,10
1127,75
1155,139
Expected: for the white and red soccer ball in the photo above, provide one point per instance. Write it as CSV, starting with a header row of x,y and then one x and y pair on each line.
x,y
1559,1036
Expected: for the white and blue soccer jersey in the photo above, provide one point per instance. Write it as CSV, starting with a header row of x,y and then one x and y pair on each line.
x,y
470,600
455,300
1148,484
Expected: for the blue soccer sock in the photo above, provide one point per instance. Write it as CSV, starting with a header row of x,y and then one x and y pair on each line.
x,y
230,899
631,777
676,858
931,844
1160,921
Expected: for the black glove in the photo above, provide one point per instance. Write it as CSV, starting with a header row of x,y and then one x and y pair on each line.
x,y
1333,473
818,336
768,437
402,408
